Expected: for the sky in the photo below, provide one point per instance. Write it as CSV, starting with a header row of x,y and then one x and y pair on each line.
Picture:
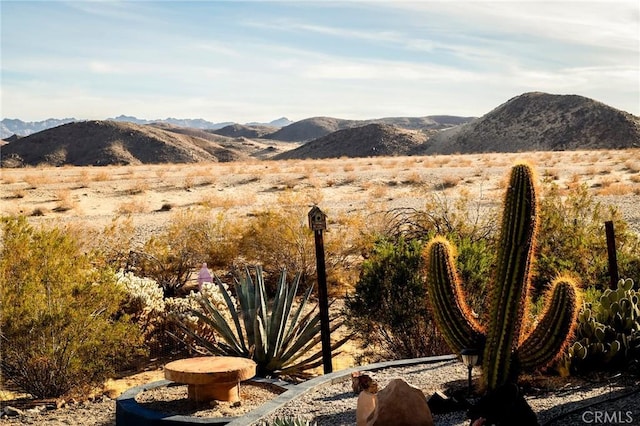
x,y
245,61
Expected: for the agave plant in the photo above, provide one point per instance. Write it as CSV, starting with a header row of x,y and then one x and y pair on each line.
x,y
281,338
289,421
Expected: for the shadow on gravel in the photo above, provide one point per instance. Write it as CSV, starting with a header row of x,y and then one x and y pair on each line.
x,y
345,418
572,412
339,397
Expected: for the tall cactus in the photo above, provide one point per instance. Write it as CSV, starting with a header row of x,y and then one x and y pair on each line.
x,y
505,348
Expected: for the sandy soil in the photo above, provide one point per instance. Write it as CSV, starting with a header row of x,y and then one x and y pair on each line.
x,y
94,196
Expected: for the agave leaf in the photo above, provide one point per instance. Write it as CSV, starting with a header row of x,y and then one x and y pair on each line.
x,y
299,310
216,321
261,300
313,342
277,315
305,335
233,312
261,350
315,360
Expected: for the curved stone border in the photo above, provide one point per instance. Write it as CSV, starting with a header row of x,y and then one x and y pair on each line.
x,y
130,413
326,380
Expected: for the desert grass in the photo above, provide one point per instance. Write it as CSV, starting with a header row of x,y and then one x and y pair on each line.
x,y
344,186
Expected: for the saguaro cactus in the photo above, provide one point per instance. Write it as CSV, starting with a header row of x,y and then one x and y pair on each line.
x,y
505,348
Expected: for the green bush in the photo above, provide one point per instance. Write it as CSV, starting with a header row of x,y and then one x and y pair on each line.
x,y
572,237
60,320
388,311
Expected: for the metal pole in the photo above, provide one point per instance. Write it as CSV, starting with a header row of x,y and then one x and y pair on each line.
x,y
611,252
323,301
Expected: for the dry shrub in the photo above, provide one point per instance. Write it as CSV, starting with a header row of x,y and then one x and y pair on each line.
x,y
133,206
36,180
192,237
349,167
64,200
16,194
448,182
139,186
101,176
226,202
378,191
632,166
615,188
413,178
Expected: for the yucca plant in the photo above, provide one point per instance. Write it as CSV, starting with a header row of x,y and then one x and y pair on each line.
x,y
281,338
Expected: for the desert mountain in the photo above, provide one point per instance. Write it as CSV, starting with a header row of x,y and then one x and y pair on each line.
x,y
367,141
245,131
109,142
544,122
316,127
9,126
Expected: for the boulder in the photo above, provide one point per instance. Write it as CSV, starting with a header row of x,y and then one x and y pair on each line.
x,y
362,381
366,407
400,404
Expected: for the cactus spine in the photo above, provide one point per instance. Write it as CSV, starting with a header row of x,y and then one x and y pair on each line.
x,y
505,349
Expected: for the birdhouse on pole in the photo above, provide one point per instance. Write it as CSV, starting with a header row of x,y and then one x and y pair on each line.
x,y
317,219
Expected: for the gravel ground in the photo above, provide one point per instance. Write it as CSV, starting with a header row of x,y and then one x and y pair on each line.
x,y
578,402
173,399
336,404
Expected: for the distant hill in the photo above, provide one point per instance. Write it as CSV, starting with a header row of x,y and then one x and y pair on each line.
x,y
367,141
9,126
110,142
245,131
316,127
531,121
541,121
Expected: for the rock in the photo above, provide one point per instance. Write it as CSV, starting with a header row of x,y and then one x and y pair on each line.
x,y
361,381
12,411
400,404
440,403
365,408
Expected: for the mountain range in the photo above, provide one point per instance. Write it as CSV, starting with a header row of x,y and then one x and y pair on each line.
x,y
531,121
9,126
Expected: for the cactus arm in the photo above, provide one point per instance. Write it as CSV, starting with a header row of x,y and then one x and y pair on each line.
x,y
553,331
451,312
509,292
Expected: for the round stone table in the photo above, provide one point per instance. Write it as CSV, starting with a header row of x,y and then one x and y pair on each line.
x,y
211,377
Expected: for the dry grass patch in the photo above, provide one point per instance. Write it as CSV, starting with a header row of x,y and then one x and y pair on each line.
x,y
448,182
137,187
64,201
101,176
36,180
616,188
133,206
632,166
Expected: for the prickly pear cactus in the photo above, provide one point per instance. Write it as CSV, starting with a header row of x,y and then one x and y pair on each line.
x,y
608,332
